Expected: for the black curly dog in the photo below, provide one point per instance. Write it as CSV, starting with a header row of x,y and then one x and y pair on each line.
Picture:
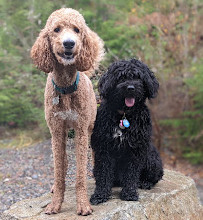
x,y
125,156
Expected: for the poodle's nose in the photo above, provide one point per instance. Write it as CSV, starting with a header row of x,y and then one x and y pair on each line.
x,y
69,44
130,88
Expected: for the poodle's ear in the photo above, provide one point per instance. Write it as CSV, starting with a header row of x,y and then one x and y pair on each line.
x,y
150,82
106,84
92,51
41,53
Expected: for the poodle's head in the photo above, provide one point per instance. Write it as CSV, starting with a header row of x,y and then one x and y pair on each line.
x,y
127,84
67,40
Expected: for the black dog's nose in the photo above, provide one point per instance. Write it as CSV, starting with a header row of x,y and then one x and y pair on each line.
x,y
69,44
130,88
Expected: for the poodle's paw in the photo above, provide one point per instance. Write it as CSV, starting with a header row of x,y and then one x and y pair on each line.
x,y
84,208
53,208
52,189
129,194
97,198
145,185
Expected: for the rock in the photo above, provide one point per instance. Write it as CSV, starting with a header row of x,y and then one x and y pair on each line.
x,y
34,176
173,198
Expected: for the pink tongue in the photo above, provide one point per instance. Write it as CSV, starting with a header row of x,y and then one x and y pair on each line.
x,y
129,102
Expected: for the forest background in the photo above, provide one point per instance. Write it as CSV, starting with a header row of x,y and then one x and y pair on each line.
x,y
166,35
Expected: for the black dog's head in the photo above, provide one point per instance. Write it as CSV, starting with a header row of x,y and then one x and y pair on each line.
x,y
128,83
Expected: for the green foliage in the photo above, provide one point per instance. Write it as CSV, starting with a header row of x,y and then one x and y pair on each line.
x,y
195,157
195,116
19,103
189,125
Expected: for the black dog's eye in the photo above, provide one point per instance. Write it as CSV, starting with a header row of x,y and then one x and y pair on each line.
x,y
57,29
76,30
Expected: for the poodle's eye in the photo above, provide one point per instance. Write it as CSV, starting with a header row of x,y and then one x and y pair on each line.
x,y
76,30
57,29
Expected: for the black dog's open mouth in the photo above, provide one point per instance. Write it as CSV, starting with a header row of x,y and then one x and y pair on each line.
x,y
129,102
67,55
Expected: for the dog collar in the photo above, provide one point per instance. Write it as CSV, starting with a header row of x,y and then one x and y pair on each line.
x,y
69,89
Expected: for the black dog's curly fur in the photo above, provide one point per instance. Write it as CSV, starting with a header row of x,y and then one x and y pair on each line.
x,y
125,157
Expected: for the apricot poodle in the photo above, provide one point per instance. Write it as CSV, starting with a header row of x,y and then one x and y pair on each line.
x,y
64,47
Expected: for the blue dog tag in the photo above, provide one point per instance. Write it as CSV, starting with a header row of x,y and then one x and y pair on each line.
x,y
126,123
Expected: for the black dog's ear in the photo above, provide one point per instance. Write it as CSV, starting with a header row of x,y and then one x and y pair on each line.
x,y
150,82
106,83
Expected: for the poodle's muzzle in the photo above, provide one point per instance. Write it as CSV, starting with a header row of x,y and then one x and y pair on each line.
x,y
69,46
68,49
68,43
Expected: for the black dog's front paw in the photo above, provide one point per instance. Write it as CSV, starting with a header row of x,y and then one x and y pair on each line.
x,y
128,194
146,185
97,198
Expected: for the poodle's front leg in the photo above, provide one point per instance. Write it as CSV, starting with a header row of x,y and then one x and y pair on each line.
x,y
65,170
83,205
58,147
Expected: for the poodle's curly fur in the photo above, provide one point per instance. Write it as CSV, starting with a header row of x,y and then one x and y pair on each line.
x,y
125,157
67,45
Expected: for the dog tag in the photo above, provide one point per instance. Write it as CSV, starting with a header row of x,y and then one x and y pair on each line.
x,y
126,123
121,125
55,100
